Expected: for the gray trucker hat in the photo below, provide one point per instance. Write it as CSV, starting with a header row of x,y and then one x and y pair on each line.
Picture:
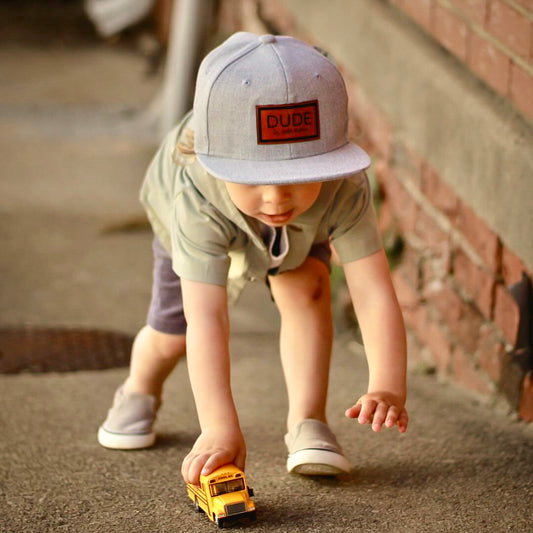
x,y
272,110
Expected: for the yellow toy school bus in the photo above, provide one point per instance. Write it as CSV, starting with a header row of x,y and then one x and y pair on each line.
x,y
223,495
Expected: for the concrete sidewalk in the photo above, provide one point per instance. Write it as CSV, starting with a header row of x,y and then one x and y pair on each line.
x,y
74,255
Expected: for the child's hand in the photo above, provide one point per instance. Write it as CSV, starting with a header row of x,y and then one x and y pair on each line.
x,y
216,446
378,409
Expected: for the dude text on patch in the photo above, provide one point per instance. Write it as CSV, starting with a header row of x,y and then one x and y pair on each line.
x,y
288,123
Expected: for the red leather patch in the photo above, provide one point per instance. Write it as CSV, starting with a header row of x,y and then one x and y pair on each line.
x,y
288,123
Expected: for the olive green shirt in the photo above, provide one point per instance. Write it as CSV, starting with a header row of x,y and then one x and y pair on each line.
x,y
205,234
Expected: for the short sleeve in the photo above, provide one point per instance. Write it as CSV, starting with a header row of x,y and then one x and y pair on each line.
x,y
354,230
201,239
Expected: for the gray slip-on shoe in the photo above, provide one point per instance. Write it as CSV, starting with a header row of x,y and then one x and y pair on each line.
x,y
314,450
129,422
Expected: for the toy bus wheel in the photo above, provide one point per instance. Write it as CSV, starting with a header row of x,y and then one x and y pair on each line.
x,y
197,506
253,516
219,521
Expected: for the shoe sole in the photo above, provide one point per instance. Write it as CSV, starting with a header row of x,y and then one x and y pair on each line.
x,y
122,441
318,463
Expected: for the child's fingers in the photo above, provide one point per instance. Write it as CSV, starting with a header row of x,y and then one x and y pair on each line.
x,y
368,408
192,466
399,417
392,416
204,464
403,420
353,412
196,464
217,459
380,415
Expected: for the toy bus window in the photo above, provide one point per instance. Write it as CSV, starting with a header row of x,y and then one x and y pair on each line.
x,y
235,485
227,486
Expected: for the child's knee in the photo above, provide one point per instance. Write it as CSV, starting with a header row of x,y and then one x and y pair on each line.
x,y
305,287
167,346
173,347
312,289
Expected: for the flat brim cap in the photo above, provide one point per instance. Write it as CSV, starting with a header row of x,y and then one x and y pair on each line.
x,y
272,110
340,163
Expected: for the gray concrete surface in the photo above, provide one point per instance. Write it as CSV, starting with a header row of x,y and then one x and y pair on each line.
x,y
72,157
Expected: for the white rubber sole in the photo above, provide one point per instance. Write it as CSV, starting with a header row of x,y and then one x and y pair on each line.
x,y
120,441
311,462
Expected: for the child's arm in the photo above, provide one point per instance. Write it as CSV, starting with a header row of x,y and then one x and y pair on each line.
x,y
382,327
221,440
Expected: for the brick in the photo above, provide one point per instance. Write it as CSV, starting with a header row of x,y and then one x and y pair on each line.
x,y
378,130
229,17
489,63
477,282
415,316
413,319
418,10
410,303
506,314
410,267
385,215
480,236
440,346
521,89
407,162
430,232
402,203
467,374
417,354
416,320
462,319
276,13
431,334
450,31
510,26
439,193
490,352
528,4
435,268
368,127
468,328
446,300
525,410
407,295
249,19
357,101
475,10
512,267
384,175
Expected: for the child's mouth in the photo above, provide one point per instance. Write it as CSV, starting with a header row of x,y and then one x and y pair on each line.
x,y
280,219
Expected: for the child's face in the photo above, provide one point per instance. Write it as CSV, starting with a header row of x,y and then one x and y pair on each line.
x,y
274,205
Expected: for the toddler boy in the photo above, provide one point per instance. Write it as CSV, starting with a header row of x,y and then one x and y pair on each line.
x,y
261,177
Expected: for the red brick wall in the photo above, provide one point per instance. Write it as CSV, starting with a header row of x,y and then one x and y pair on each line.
x,y
454,274
453,278
494,38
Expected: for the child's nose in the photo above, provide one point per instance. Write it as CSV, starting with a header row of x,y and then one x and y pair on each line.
x,y
276,194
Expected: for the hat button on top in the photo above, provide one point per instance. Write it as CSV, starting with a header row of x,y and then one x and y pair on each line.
x,y
267,39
